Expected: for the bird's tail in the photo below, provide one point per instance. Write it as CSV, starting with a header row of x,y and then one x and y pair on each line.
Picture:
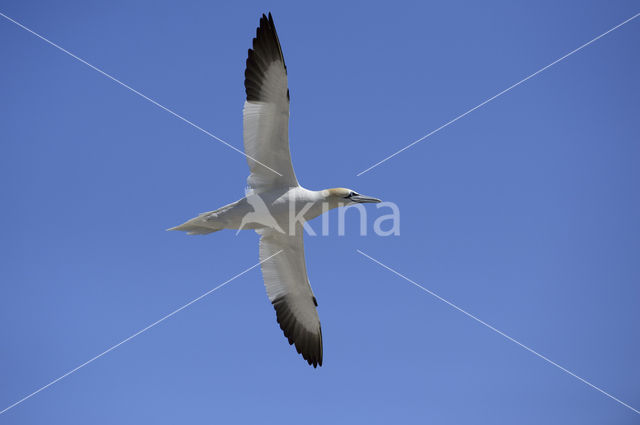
x,y
198,225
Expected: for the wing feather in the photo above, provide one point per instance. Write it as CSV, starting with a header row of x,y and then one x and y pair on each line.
x,y
288,289
266,112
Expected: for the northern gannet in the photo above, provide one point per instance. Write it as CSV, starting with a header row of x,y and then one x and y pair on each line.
x,y
276,206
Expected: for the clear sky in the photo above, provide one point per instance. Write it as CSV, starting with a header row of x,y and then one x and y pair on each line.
x,y
526,213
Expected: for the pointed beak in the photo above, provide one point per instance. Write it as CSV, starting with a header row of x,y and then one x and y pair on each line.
x,y
362,199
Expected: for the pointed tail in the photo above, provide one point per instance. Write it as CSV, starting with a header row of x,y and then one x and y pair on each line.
x,y
198,225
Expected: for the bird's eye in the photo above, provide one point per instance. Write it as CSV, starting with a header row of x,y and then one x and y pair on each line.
x,y
352,194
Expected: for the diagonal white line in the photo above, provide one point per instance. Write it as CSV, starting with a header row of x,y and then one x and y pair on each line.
x,y
498,95
136,334
497,331
137,92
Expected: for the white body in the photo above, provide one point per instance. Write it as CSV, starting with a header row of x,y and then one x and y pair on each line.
x,y
278,209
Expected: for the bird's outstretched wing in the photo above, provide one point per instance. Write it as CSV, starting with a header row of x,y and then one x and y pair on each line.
x,y
288,288
266,112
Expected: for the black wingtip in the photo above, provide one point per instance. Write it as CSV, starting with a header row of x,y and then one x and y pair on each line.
x,y
308,344
265,50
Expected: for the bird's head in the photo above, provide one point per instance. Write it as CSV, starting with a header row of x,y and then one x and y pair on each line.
x,y
346,197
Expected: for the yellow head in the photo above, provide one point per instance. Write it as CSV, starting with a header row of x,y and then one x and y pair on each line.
x,y
341,195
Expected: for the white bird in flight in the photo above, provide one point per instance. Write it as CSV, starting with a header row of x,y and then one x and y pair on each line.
x,y
276,206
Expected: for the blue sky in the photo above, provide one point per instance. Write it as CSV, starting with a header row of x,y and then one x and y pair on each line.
x,y
525,213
